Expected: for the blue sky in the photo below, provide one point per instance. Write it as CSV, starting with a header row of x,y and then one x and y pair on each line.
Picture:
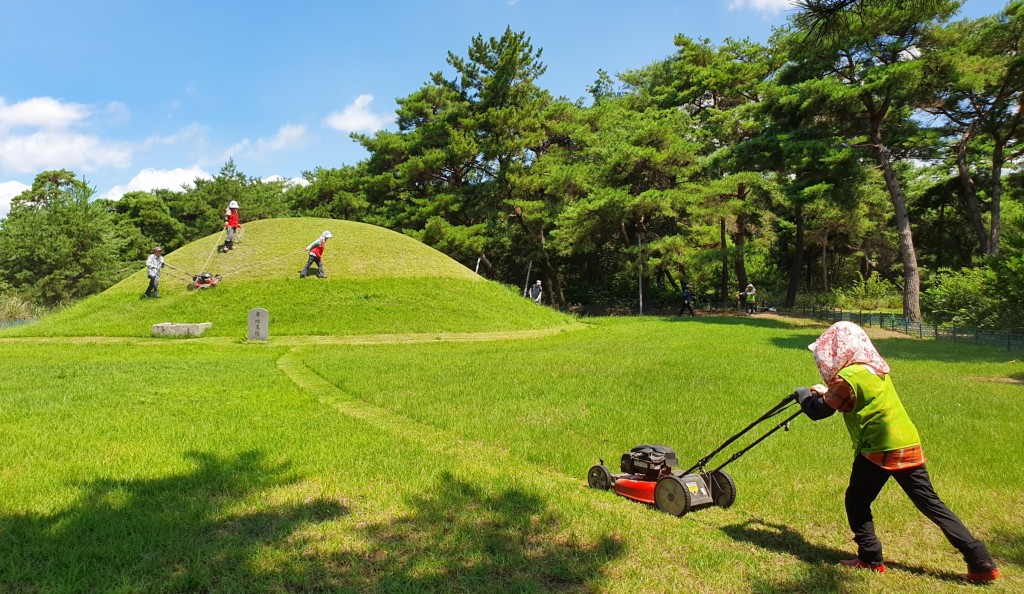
x,y
140,94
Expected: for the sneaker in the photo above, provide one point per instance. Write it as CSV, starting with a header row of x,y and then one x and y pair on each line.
x,y
858,564
981,577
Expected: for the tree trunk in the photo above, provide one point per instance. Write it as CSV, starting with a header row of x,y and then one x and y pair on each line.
x,y
798,257
911,275
725,264
824,263
555,293
997,193
739,239
970,191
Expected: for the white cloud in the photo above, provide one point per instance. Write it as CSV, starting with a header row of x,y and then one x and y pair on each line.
x,y
9,190
151,179
767,6
235,150
38,134
41,112
191,132
118,113
59,149
288,136
357,117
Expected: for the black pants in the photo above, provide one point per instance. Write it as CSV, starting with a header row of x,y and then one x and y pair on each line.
x,y
153,289
867,480
313,259
686,306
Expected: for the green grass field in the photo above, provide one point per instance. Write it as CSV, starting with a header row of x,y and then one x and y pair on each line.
x,y
449,454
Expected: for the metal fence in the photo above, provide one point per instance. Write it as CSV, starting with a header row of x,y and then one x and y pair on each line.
x,y
12,323
933,330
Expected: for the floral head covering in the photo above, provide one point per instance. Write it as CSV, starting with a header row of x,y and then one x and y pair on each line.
x,y
844,344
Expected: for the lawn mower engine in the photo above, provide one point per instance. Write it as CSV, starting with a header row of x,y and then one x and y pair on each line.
x,y
647,476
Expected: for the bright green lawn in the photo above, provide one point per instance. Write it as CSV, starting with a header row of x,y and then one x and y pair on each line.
x,y
183,466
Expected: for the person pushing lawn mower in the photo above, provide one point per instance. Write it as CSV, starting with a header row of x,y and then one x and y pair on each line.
x,y
316,254
859,385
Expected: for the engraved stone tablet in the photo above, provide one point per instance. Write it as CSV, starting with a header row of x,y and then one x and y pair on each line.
x,y
259,328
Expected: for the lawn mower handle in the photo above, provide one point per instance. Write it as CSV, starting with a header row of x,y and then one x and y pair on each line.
x,y
778,408
735,456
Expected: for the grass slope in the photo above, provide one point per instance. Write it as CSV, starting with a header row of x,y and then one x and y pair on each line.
x,y
378,281
184,466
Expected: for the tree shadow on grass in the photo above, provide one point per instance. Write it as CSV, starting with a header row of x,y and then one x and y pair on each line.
x,y
461,537
825,575
914,350
178,533
733,320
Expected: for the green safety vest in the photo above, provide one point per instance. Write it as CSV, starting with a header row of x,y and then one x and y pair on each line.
x,y
750,297
878,422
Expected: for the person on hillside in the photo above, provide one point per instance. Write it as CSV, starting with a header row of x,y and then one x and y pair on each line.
x,y
536,291
687,301
750,298
886,444
230,226
154,263
316,254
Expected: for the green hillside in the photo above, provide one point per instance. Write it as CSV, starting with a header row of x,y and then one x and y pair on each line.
x,y
378,282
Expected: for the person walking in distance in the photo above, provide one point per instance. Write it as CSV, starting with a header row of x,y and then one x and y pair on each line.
x,y
687,301
536,291
230,226
316,255
154,263
886,444
750,297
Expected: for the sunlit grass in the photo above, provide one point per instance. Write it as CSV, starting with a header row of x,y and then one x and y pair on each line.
x,y
379,282
170,466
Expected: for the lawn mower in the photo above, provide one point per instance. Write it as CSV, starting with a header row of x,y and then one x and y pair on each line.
x,y
204,281
648,474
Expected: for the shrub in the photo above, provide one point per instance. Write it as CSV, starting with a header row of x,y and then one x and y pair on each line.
x,y
965,298
15,307
873,293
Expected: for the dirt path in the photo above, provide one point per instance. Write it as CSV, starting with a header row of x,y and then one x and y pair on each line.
x,y
296,341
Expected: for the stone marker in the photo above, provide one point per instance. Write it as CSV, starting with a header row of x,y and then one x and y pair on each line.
x,y
259,326
174,330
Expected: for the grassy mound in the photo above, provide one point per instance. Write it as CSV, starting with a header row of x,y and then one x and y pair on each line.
x,y
378,281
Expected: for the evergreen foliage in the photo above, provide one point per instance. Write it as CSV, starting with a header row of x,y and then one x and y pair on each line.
x,y
867,144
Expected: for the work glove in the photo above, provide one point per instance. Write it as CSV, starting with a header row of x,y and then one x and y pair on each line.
x,y
802,394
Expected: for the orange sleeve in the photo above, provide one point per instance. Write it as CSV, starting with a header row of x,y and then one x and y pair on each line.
x,y
840,396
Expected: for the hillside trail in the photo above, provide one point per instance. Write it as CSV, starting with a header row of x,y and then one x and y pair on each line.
x,y
488,457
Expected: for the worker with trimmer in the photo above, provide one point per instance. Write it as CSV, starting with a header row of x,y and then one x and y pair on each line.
x,y
231,226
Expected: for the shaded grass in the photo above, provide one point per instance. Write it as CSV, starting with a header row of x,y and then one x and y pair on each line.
x,y
190,466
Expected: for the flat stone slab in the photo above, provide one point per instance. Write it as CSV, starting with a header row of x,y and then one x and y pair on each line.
x,y
171,329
